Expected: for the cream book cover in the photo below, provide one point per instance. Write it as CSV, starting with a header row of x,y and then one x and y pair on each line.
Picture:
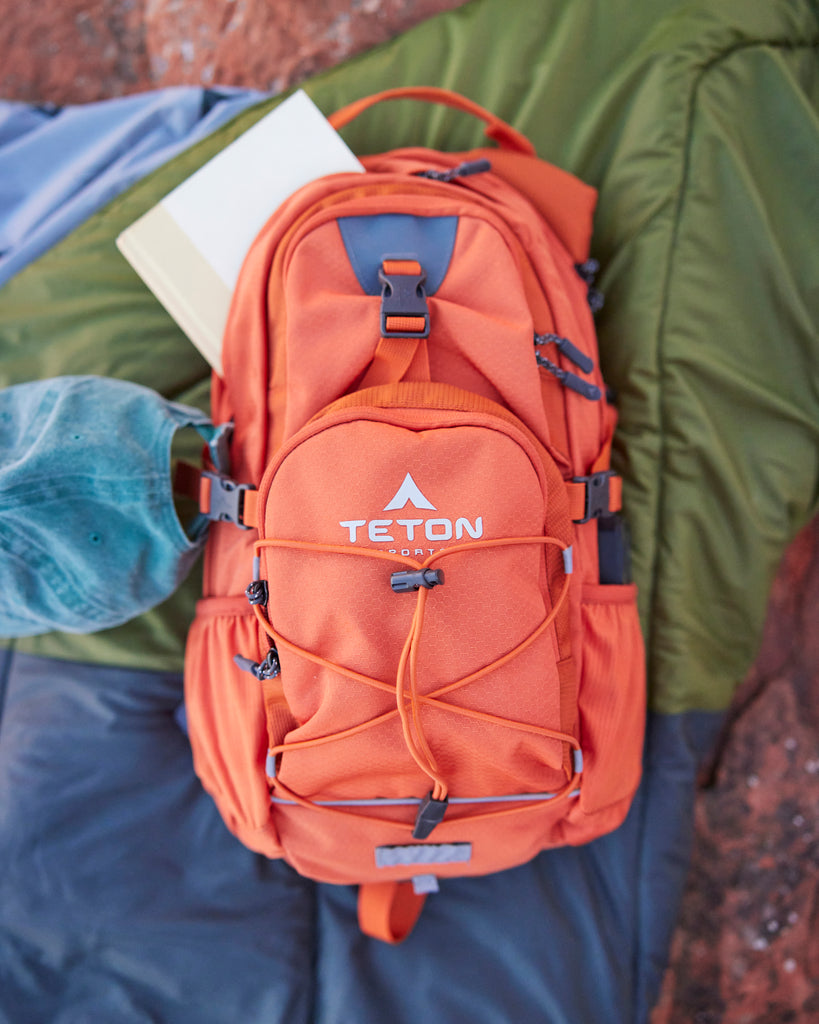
x,y
189,248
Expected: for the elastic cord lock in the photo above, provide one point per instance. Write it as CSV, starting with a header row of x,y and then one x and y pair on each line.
x,y
267,668
430,813
402,582
257,592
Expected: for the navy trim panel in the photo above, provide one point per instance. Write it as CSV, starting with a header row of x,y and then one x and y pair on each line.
x,y
368,240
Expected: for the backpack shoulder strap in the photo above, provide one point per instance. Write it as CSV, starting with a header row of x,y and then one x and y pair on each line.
x,y
566,202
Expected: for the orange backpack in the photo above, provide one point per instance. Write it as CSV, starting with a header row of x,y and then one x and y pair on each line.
x,y
420,655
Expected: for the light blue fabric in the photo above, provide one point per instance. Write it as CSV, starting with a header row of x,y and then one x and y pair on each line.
x,y
59,165
89,535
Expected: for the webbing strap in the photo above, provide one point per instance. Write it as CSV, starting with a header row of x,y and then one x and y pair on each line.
x,y
505,135
388,910
393,358
250,511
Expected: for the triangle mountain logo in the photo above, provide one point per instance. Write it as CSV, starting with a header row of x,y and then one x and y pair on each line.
x,y
409,493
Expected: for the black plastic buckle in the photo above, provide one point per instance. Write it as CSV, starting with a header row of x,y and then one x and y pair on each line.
x,y
403,295
227,499
597,494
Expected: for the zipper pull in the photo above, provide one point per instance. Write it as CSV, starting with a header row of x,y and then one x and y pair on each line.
x,y
570,351
588,271
461,171
570,380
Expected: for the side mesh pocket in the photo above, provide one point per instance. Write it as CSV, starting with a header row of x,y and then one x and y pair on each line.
x,y
612,696
227,722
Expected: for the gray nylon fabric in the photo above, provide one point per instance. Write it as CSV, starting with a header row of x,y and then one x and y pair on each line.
x,y
123,897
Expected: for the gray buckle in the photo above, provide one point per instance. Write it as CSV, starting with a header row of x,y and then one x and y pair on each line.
x,y
227,499
403,295
597,494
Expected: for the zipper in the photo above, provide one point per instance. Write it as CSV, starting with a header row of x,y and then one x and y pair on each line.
x,y
463,170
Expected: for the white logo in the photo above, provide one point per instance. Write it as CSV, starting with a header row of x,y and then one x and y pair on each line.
x,y
409,492
411,531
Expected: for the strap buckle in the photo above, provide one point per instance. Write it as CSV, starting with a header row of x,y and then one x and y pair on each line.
x,y
222,499
404,310
597,494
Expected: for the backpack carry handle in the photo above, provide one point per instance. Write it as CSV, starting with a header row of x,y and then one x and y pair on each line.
x,y
504,134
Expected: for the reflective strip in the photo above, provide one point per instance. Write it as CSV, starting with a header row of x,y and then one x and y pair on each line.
x,y
270,766
415,801
423,885
568,560
377,802
426,853
577,757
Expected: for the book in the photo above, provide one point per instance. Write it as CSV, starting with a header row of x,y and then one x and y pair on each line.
x,y
190,247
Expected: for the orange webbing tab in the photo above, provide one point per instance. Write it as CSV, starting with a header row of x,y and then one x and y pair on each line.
x,y
405,324
388,910
250,509
205,487
504,134
402,267
615,493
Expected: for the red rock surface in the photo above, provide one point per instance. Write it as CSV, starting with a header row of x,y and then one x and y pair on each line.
x,y
77,52
747,947
746,950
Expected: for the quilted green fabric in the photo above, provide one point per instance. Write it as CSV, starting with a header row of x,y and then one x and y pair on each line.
x,y
699,125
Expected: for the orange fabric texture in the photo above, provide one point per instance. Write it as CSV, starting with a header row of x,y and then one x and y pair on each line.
x,y
508,687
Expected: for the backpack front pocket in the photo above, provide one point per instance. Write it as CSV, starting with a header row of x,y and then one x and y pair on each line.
x,y
400,680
